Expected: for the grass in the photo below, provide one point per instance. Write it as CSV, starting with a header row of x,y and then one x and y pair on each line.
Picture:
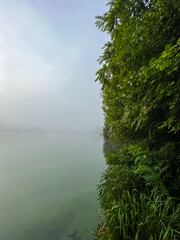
x,y
140,216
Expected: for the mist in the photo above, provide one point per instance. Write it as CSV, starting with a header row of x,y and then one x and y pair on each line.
x,y
48,61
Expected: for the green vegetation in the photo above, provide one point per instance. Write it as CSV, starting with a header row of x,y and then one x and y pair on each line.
x,y
140,76
141,216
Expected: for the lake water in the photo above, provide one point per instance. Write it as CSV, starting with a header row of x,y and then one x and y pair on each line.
x,y
48,186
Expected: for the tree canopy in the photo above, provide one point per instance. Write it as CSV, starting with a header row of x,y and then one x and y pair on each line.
x,y
140,66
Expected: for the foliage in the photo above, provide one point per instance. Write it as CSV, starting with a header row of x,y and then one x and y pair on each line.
x,y
141,216
115,182
140,78
158,168
140,68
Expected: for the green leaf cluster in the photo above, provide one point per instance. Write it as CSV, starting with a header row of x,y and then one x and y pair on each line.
x,y
140,67
140,78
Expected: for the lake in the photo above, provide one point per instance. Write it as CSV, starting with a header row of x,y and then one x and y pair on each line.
x,y
48,186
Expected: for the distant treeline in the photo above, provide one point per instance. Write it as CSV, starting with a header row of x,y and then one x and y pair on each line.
x,y
140,76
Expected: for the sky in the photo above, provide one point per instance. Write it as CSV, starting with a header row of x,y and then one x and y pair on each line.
x,y
48,60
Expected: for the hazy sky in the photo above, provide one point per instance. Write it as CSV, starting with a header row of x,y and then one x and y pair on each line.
x,y
48,59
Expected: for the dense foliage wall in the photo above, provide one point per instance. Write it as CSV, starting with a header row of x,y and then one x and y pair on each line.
x,y
140,76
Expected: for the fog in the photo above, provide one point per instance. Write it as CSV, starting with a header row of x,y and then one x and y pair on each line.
x,y
48,61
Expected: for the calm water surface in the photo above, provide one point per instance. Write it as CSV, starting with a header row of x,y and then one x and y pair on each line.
x,y
48,186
